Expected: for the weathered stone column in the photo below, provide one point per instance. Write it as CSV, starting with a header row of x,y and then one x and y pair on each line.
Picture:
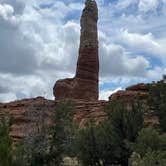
x,y
85,83
88,62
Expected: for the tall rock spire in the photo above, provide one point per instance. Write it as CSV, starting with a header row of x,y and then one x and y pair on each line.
x,y
85,83
88,63
89,18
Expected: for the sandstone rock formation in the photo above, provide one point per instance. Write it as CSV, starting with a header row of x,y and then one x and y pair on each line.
x,y
136,92
85,83
31,113
28,113
139,92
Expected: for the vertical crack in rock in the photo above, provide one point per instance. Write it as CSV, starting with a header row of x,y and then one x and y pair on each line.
x,y
85,83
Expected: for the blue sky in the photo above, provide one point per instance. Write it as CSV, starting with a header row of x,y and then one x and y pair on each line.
x,y
40,40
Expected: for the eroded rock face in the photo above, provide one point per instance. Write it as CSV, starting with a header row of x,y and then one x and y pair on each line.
x,y
85,83
135,93
29,114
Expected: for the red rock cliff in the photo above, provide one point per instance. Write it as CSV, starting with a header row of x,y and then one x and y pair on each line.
x,y
31,113
28,112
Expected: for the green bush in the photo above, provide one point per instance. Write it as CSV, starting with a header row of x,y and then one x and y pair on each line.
x,y
105,144
100,145
127,122
86,146
108,143
149,139
149,149
48,145
63,132
157,100
5,142
34,148
151,158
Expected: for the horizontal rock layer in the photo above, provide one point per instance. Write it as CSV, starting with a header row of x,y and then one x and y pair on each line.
x,y
26,114
138,93
84,85
29,113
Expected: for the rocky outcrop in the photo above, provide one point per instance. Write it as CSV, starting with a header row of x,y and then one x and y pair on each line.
x,y
138,93
85,83
28,114
85,111
31,113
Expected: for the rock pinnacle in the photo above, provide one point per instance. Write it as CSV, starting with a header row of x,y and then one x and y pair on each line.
x,y
85,83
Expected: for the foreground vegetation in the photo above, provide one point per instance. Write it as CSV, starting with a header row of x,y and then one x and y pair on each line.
x,y
119,140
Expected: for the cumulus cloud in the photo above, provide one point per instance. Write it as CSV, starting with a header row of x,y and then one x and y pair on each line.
x,y
40,39
16,52
148,5
142,5
122,4
31,55
7,14
3,89
7,97
144,43
17,5
164,7
105,94
115,61
156,73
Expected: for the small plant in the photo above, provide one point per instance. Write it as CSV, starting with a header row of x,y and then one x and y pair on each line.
x,y
152,158
157,100
127,122
149,140
149,148
5,142
105,144
63,132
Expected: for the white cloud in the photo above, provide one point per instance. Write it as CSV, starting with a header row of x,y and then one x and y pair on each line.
x,y
164,7
144,43
156,73
7,13
42,52
122,4
115,61
40,45
105,94
7,97
148,5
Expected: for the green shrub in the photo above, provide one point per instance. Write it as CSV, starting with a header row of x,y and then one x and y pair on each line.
x,y
127,122
149,139
5,142
151,158
63,132
157,100
87,150
149,149
105,144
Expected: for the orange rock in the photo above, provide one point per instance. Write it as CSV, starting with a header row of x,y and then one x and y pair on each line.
x,y
29,113
85,83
